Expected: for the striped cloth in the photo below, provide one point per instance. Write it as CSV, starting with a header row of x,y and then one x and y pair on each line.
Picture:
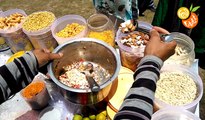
x,y
16,75
138,103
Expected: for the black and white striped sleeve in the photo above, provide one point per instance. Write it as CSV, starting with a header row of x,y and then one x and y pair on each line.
x,y
16,75
138,103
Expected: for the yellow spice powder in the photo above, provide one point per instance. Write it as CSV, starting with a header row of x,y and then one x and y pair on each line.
x,y
33,89
106,36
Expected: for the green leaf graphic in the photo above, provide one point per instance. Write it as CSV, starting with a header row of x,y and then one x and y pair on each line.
x,y
191,7
195,9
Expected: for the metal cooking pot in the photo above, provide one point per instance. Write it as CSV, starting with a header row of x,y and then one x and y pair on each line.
x,y
87,49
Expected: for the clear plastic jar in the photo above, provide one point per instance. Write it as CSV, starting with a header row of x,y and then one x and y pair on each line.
x,y
37,27
184,52
62,22
14,36
101,28
131,55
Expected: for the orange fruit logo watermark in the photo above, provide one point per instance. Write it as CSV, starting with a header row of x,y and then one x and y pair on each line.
x,y
191,22
189,18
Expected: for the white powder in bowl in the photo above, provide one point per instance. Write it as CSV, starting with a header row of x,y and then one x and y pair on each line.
x,y
50,114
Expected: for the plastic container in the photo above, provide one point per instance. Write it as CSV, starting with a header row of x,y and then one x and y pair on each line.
x,y
158,104
174,114
41,38
14,36
50,113
40,100
3,44
61,23
130,57
185,43
101,28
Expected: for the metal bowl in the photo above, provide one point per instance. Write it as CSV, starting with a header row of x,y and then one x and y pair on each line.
x,y
87,49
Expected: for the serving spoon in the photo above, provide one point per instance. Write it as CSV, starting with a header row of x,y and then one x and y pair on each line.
x,y
93,84
135,27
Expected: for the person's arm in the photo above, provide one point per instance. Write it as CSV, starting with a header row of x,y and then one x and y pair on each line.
x,y
16,75
138,103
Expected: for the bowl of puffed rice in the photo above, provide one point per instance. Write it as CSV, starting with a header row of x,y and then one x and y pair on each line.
x,y
179,86
69,27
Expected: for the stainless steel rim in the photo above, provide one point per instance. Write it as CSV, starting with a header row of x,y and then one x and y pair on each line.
x,y
84,40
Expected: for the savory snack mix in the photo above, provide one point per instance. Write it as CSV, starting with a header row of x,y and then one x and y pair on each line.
x,y
135,39
38,21
106,36
70,30
12,20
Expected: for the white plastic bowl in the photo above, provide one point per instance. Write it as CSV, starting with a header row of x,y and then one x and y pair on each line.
x,y
62,22
170,113
188,71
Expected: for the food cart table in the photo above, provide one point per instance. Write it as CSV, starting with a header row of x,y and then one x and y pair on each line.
x,y
17,108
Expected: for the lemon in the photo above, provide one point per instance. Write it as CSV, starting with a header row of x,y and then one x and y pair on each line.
x,y
77,117
86,118
104,113
92,117
183,13
101,116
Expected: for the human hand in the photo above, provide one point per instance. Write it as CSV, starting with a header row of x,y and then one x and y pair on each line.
x,y
160,30
43,56
158,48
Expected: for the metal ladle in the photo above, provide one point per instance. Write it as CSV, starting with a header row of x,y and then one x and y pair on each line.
x,y
93,84
165,37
